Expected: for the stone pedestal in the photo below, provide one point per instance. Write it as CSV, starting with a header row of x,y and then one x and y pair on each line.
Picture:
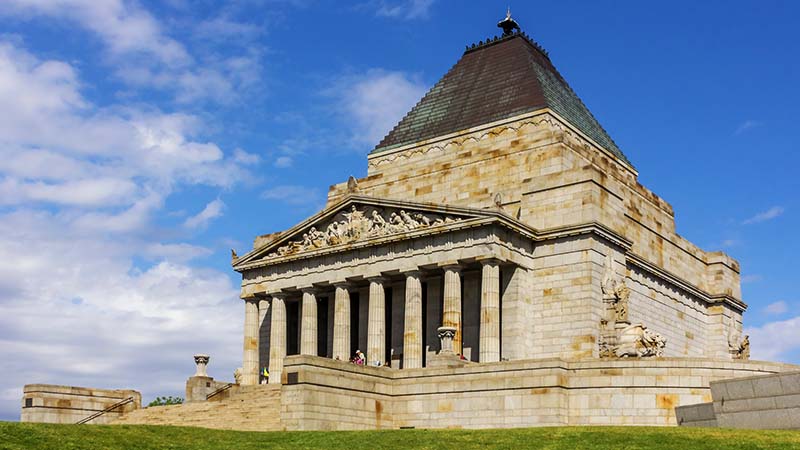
x,y
446,357
202,362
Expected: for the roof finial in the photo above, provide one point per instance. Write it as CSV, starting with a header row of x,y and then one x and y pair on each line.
x,y
508,24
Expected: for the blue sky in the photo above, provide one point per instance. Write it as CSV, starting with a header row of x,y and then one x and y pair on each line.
x,y
140,141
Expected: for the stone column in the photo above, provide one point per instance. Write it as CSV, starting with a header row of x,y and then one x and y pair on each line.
x,y
451,314
412,335
341,323
250,357
308,324
277,339
376,323
490,312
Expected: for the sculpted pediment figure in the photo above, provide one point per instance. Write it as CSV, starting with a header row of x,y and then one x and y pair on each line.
x,y
359,222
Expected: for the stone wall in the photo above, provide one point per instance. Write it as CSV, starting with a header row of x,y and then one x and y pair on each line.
x,y
322,394
69,404
552,177
699,415
759,402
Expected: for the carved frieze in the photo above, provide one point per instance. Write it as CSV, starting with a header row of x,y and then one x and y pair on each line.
x,y
361,224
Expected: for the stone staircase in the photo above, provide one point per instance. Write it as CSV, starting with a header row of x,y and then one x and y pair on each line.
x,y
253,408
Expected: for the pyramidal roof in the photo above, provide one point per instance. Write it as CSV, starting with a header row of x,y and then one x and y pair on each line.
x,y
494,80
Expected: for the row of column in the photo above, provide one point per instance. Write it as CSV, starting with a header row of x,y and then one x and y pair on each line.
x,y
489,341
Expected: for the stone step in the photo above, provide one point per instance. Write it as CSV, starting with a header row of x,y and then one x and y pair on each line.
x,y
254,408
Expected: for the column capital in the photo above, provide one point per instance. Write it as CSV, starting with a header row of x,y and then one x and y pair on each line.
x,y
278,295
313,290
490,260
412,273
344,284
453,266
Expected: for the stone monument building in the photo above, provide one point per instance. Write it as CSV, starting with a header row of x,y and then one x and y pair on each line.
x,y
499,266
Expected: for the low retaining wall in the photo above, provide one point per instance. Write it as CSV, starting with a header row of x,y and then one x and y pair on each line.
x,y
322,394
69,404
759,402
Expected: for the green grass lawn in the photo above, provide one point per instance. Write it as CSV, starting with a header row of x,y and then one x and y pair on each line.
x,y
66,437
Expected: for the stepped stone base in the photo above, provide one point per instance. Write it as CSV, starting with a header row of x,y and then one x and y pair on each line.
x,y
323,394
252,408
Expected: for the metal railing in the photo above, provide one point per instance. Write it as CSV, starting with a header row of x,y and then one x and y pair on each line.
x,y
109,409
220,390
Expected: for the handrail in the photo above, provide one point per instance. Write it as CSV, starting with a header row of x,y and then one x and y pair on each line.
x,y
220,390
100,413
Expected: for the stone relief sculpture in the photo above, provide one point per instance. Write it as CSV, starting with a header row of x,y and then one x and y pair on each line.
x,y
357,225
616,291
637,341
619,338
740,350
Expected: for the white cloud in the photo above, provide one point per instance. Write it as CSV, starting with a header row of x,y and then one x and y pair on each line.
x,y
376,101
89,293
209,213
747,125
769,214
180,252
283,162
243,157
124,27
779,307
142,53
97,320
57,147
292,194
404,9
775,341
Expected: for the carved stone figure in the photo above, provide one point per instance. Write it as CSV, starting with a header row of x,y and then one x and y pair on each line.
x,y
741,350
352,185
408,220
237,375
609,277
422,220
637,341
616,291
606,349
359,225
621,295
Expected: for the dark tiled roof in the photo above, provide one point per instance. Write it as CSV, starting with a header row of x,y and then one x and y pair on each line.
x,y
501,78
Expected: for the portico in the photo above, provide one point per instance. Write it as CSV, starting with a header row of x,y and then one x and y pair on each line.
x,y
384,289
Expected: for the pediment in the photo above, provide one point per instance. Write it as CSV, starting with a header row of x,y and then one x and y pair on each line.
x,y
360,219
